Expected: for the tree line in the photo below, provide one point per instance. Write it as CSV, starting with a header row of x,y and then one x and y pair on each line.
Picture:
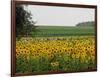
x,y
88,23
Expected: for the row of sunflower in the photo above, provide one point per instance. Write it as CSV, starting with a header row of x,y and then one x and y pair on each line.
x,y
44,54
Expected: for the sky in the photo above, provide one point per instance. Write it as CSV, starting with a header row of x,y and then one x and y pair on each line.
x,y
60,16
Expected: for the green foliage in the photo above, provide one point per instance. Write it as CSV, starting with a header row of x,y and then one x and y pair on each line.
x,y
24,23
85,24
42,64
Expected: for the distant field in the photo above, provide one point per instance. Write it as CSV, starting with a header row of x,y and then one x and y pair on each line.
x,y
63,31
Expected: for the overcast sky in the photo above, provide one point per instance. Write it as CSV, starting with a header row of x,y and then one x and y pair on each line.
x,y
60,16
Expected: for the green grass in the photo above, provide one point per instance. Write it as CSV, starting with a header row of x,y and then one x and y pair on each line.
x,y
63,31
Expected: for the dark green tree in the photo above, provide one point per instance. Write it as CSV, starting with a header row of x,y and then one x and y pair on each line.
x,y
24,23
86,24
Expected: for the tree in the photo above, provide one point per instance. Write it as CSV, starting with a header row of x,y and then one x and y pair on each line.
x,y
86,24
24,23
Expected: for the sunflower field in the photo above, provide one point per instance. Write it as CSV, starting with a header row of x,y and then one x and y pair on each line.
x,y
72,53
